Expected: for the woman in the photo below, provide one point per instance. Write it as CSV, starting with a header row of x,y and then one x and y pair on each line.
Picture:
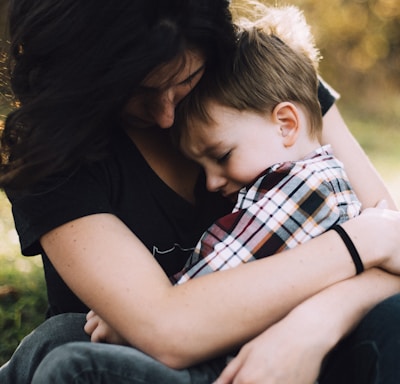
x,y
100,191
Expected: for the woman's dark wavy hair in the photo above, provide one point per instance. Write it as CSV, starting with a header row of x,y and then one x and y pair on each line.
x,y
73,64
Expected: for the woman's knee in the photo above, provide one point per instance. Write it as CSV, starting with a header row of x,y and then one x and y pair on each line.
x,y
61,365
83,362
67,326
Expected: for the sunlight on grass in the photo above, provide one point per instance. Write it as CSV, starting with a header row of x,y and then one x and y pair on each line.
x,y
23,300
13,265
9,237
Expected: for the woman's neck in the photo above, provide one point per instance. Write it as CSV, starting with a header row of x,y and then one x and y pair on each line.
x,y
155,145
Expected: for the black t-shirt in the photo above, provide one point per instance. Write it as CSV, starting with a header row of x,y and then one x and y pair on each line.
x,y
122,184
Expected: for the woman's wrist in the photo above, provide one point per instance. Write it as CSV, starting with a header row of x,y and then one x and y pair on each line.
x,y
320,319
321,331
359,266
375,236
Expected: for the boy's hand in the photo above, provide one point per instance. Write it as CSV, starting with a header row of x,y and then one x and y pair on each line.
x,y
100,331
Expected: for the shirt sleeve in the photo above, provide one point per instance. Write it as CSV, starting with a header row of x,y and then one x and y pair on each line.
x,y
60,200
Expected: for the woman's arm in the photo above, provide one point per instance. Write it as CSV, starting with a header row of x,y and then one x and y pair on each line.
x,y
364,178
114,274
292,350
248,299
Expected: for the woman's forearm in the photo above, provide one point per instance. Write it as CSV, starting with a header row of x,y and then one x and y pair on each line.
x,y
262,292
365,180
331,314
244,301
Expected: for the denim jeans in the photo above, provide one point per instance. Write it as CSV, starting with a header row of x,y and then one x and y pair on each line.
x,y
105,363
55,331
371,353
58,352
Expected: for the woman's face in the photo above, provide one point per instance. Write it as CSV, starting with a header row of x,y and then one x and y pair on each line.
x,y
155,101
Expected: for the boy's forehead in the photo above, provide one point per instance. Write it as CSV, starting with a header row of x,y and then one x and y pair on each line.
x,y
202,139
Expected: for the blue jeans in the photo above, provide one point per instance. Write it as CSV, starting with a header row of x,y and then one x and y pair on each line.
x,y
58,352
105,363
55,331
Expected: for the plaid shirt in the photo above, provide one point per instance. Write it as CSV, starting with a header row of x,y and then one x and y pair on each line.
x,y
289,204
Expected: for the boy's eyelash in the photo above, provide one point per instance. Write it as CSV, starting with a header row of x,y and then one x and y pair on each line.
x,y
223,158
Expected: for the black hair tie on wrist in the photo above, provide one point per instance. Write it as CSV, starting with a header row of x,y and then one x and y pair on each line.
x,y
350,247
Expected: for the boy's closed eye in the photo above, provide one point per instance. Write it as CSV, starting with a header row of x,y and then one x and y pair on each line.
x,y
222,159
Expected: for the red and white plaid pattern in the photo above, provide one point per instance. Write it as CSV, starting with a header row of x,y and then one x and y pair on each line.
x,y
289,204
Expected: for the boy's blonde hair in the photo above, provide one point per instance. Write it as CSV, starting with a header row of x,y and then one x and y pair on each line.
x,y
286,22
275,61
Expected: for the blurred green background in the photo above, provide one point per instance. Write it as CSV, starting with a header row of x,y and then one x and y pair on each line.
x,y
360,44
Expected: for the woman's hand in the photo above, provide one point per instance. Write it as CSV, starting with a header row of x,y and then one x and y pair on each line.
x,y
285,353
100,331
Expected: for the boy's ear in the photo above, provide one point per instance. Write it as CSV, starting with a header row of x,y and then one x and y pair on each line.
x,y
286,115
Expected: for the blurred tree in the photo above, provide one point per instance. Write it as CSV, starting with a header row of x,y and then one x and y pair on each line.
x,y
3,14
359,42
4,99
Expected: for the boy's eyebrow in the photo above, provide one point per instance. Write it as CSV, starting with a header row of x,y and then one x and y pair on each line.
x,y
210,150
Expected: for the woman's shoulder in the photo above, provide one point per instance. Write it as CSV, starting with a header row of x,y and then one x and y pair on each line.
x,y
327,96
88,189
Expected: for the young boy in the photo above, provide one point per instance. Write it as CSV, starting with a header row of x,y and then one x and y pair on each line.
x,y
254,127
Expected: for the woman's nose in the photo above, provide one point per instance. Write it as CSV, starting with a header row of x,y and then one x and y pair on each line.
x,y
164,109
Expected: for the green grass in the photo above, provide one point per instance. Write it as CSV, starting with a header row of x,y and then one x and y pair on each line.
x,y
23,299
22,289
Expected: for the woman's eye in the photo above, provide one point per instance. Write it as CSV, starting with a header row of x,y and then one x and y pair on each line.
x,y
193,76
188,81
222,159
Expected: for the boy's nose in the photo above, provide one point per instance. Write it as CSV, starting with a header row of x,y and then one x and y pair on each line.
x,y
215,182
